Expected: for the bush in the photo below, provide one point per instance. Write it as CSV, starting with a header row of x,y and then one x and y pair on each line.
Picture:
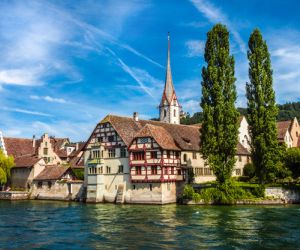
x,y
231,192
79,173
292,161
249,170
190,194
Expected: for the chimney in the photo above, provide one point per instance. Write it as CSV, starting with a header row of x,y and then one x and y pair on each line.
x,y
136,116
77,146
33,141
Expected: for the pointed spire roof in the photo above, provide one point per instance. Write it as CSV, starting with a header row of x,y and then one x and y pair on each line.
x,y
169,90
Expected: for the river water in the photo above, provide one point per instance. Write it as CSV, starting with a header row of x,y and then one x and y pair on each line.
x,y
63,225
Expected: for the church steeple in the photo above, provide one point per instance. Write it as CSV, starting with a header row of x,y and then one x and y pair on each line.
x,y
169,108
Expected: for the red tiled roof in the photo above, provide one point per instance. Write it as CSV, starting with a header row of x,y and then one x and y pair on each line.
x,y
52,173
186,137
160,135
241,150
77,162
282,128
26,161
19,146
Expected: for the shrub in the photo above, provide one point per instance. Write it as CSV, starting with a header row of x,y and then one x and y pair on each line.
x,y
249,170
292,161
79,173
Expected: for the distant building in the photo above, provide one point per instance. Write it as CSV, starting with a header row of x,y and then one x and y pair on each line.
x,y
32,155
289,132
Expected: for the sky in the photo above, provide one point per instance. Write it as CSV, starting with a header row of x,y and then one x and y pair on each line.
x,y
65,65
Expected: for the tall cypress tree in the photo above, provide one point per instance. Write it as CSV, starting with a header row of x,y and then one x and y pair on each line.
x,y
219,132
262,110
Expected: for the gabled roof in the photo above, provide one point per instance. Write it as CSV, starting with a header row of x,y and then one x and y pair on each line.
x,y
19,146
186,137
282,128
241,150
159,134
54,172
26,161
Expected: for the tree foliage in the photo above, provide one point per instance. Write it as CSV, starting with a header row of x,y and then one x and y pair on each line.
x,y
6,163
262,110
292,161
219,130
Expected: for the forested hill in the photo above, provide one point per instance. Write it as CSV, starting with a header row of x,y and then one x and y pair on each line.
x,y
286,112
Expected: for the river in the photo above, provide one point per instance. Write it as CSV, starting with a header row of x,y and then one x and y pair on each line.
x,y
63,225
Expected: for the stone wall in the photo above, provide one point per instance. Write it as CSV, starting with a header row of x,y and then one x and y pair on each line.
x,y
287,195
56,190
13,195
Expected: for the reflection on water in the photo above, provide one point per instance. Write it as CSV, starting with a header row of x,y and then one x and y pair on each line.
x,y
62,225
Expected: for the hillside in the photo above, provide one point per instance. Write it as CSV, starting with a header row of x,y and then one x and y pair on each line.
x,y
286,112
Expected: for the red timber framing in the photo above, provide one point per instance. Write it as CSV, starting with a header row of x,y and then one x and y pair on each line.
x,y
166,167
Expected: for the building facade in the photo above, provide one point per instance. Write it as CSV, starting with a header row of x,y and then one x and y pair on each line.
x,y
143,161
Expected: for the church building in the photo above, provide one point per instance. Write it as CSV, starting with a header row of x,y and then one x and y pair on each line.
x,y
129,160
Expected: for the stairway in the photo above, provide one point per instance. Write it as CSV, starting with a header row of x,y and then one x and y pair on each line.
x,y
120,194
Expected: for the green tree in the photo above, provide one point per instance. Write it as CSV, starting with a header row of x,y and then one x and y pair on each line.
x,y
219,132
262,110
6,163
292,161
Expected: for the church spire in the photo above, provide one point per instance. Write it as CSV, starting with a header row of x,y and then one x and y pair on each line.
x,y
169,90
169,108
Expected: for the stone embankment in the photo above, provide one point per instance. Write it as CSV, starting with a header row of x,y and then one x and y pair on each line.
x,y
14,195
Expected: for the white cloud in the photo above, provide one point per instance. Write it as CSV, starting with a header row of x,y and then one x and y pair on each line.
x,y
215,15
48,99
195,48
195,24
25,111
23,77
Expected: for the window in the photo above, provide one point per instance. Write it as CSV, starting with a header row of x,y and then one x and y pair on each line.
x,y
150,186
153,154
174,112
107,169
184,157
194,155
133,187
240,158
111,138
49,184
138,156
248,159
177,155
166,171
100,170
207,171
121,169
111,153
297,134
138,170
165,113
100,139
153,169
172,170
40,184
238,171
179,171
168,154
123,152
46,144
144,140
45,151
96,154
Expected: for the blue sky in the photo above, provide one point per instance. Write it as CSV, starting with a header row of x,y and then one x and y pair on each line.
x,y
66,64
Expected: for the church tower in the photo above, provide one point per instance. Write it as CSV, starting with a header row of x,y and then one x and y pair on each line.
x,y
169,108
